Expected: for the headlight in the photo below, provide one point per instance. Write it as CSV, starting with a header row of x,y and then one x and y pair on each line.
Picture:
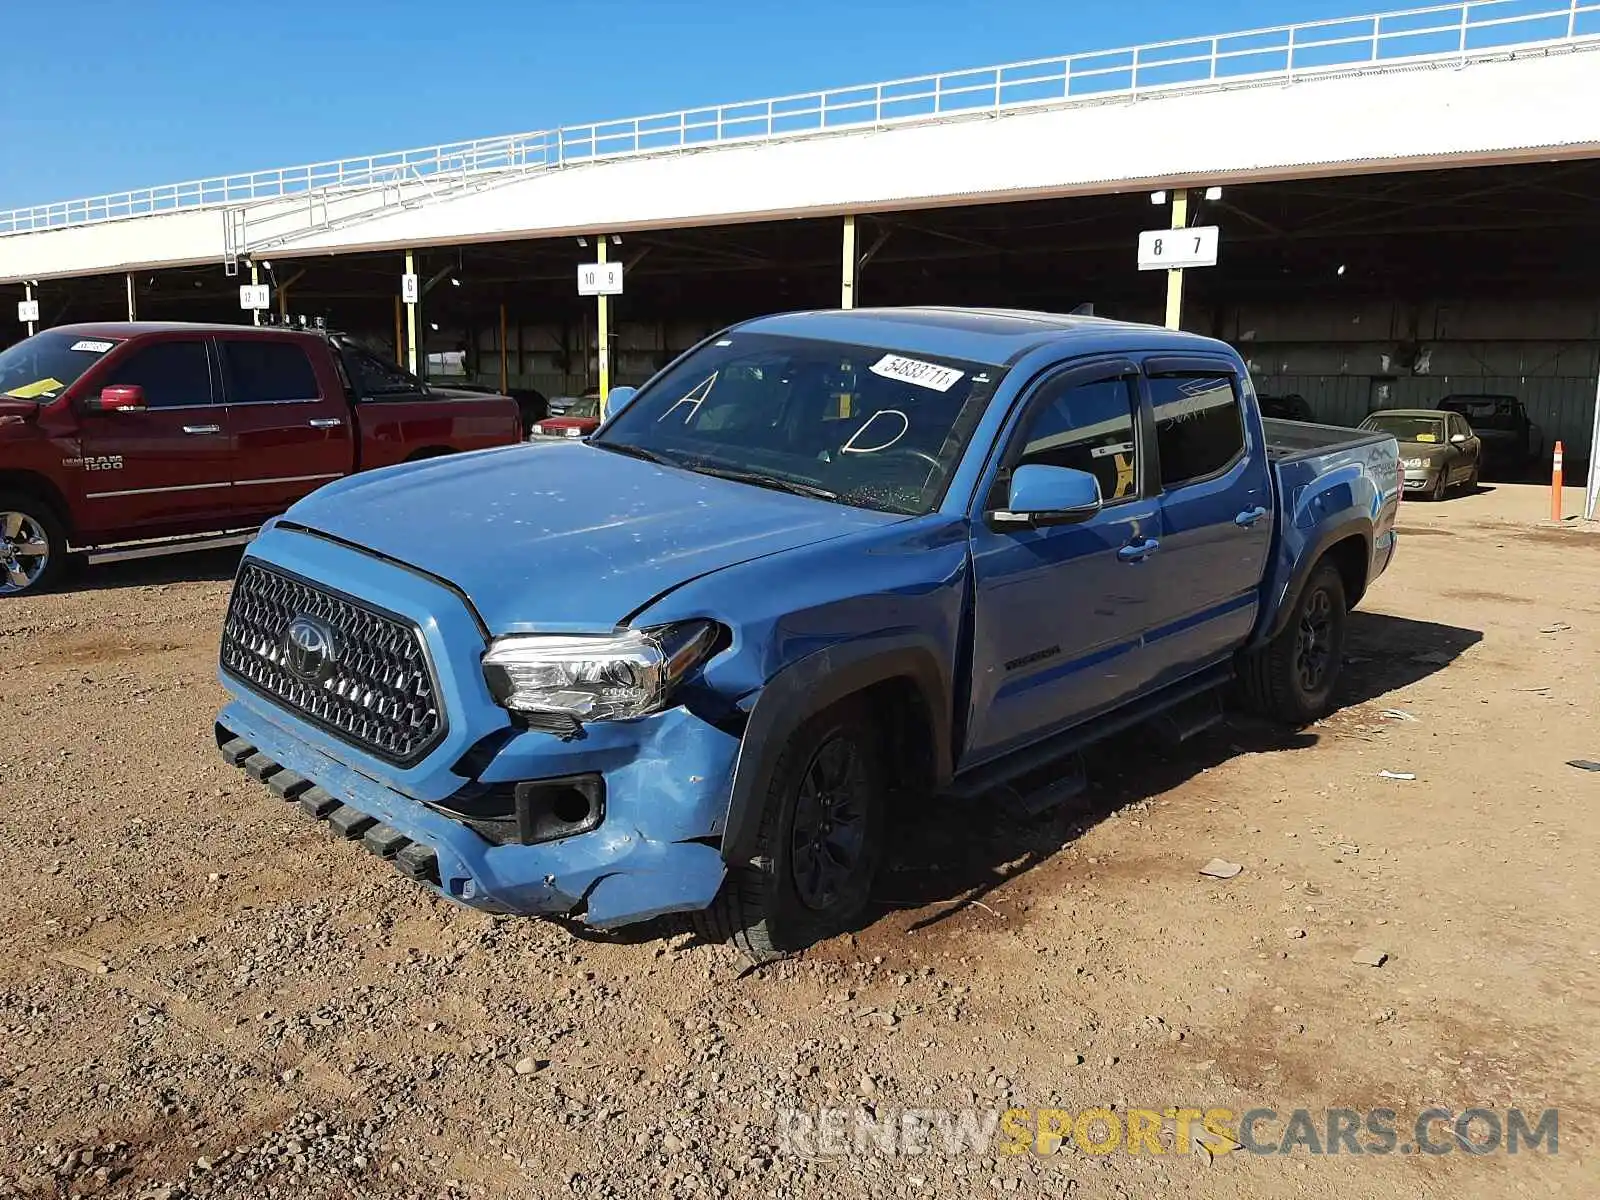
x,y
607,678
1413,464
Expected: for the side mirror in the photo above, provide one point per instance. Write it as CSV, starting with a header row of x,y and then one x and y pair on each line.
x,y
1458,438
616,400
119,398
1042,495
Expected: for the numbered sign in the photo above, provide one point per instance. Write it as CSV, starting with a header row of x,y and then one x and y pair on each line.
x,y
600,279
410,289
253,297
1171,249
27,310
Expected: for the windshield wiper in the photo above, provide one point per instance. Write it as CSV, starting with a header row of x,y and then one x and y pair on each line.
x,y
638,452
792,486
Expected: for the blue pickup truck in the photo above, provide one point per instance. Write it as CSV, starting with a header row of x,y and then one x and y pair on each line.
x,y
821,563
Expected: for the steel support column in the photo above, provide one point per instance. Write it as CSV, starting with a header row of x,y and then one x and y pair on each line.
x,y
603,349
1180,220
848,265
411,320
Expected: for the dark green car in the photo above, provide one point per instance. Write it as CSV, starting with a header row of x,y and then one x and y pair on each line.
x,y
1438,449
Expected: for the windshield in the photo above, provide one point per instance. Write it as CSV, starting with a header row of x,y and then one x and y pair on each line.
x,y
1409,429
44,366
855,424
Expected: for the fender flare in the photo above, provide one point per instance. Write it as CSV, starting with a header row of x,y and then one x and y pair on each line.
x,y
805,688
1355,527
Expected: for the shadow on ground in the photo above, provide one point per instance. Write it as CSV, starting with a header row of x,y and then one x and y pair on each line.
x,y
950,854
198,566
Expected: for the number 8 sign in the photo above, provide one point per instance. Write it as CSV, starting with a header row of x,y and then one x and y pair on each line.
x,y
1173,249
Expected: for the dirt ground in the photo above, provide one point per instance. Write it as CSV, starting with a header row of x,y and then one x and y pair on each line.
x,y
202,995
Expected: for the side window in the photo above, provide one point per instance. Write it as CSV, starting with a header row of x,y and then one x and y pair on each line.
x,y
1199,428
1088,427
172,374
269,373
374,377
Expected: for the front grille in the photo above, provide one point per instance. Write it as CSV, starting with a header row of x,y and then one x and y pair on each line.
x,y
374,687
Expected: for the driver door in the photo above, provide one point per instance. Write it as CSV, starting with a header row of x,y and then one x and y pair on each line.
x,y
1059,611
167,469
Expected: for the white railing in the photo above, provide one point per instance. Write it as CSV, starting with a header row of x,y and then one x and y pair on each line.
x,y
1286,52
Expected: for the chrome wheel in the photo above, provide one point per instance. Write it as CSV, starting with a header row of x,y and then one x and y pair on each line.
x,y
24,552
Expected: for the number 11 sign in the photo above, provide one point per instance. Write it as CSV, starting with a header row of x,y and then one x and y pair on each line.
x,y
1172,249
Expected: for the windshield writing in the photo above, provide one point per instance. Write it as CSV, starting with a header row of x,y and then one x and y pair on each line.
x,y
858,424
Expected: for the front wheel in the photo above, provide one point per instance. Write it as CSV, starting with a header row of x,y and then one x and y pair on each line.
x,y
33,545
1293,676
820,843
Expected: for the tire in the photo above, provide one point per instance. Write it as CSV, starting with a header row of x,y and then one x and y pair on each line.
x,y
1472,480
786,899
33,544
1277,680
1442,487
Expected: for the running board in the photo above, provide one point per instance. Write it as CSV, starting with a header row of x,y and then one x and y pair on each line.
x,y
129,551
1023,762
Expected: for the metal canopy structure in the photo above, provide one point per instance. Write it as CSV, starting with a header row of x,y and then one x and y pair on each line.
x,y
1485,81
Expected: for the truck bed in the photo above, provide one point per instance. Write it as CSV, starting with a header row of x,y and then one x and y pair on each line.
x,y
1291,440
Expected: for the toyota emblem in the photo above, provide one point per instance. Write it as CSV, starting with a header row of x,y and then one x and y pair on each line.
x,y
309,649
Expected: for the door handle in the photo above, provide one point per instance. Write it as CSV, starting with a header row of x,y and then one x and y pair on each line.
x,y
325,422
194,430
1249,517
1139,551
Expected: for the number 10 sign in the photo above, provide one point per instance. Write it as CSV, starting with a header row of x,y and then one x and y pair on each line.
x,y
1171,249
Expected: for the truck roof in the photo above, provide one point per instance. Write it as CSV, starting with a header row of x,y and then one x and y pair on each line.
x,y
990,335
128,329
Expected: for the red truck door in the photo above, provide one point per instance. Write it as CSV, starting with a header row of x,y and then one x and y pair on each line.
x,y
163,469
291,423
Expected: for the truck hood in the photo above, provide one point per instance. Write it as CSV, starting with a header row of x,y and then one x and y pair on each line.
x,y
563,536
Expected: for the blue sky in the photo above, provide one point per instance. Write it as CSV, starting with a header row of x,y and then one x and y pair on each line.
x,y
100,95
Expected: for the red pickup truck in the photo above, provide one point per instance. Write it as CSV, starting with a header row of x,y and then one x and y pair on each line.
x,y
126,440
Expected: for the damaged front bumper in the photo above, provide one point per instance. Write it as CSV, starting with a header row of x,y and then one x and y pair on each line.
x,y
664,780
652,852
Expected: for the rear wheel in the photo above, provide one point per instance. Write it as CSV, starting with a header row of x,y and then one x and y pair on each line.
x,y
33,545
1292,677
821,841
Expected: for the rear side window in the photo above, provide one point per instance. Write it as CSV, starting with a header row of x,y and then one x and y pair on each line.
x,y
377,378
1199,428
172,374
269,373
1088,427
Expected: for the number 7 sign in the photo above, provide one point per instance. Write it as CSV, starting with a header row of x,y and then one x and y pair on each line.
x,y
1174,249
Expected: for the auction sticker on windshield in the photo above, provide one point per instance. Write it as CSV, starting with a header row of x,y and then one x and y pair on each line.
x,y
32,391
93,347
923,374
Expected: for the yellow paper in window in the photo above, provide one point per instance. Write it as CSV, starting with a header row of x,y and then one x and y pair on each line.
x,y
32,391
1426,437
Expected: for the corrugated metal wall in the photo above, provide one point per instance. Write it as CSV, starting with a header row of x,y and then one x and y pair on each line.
x,y
1348,359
